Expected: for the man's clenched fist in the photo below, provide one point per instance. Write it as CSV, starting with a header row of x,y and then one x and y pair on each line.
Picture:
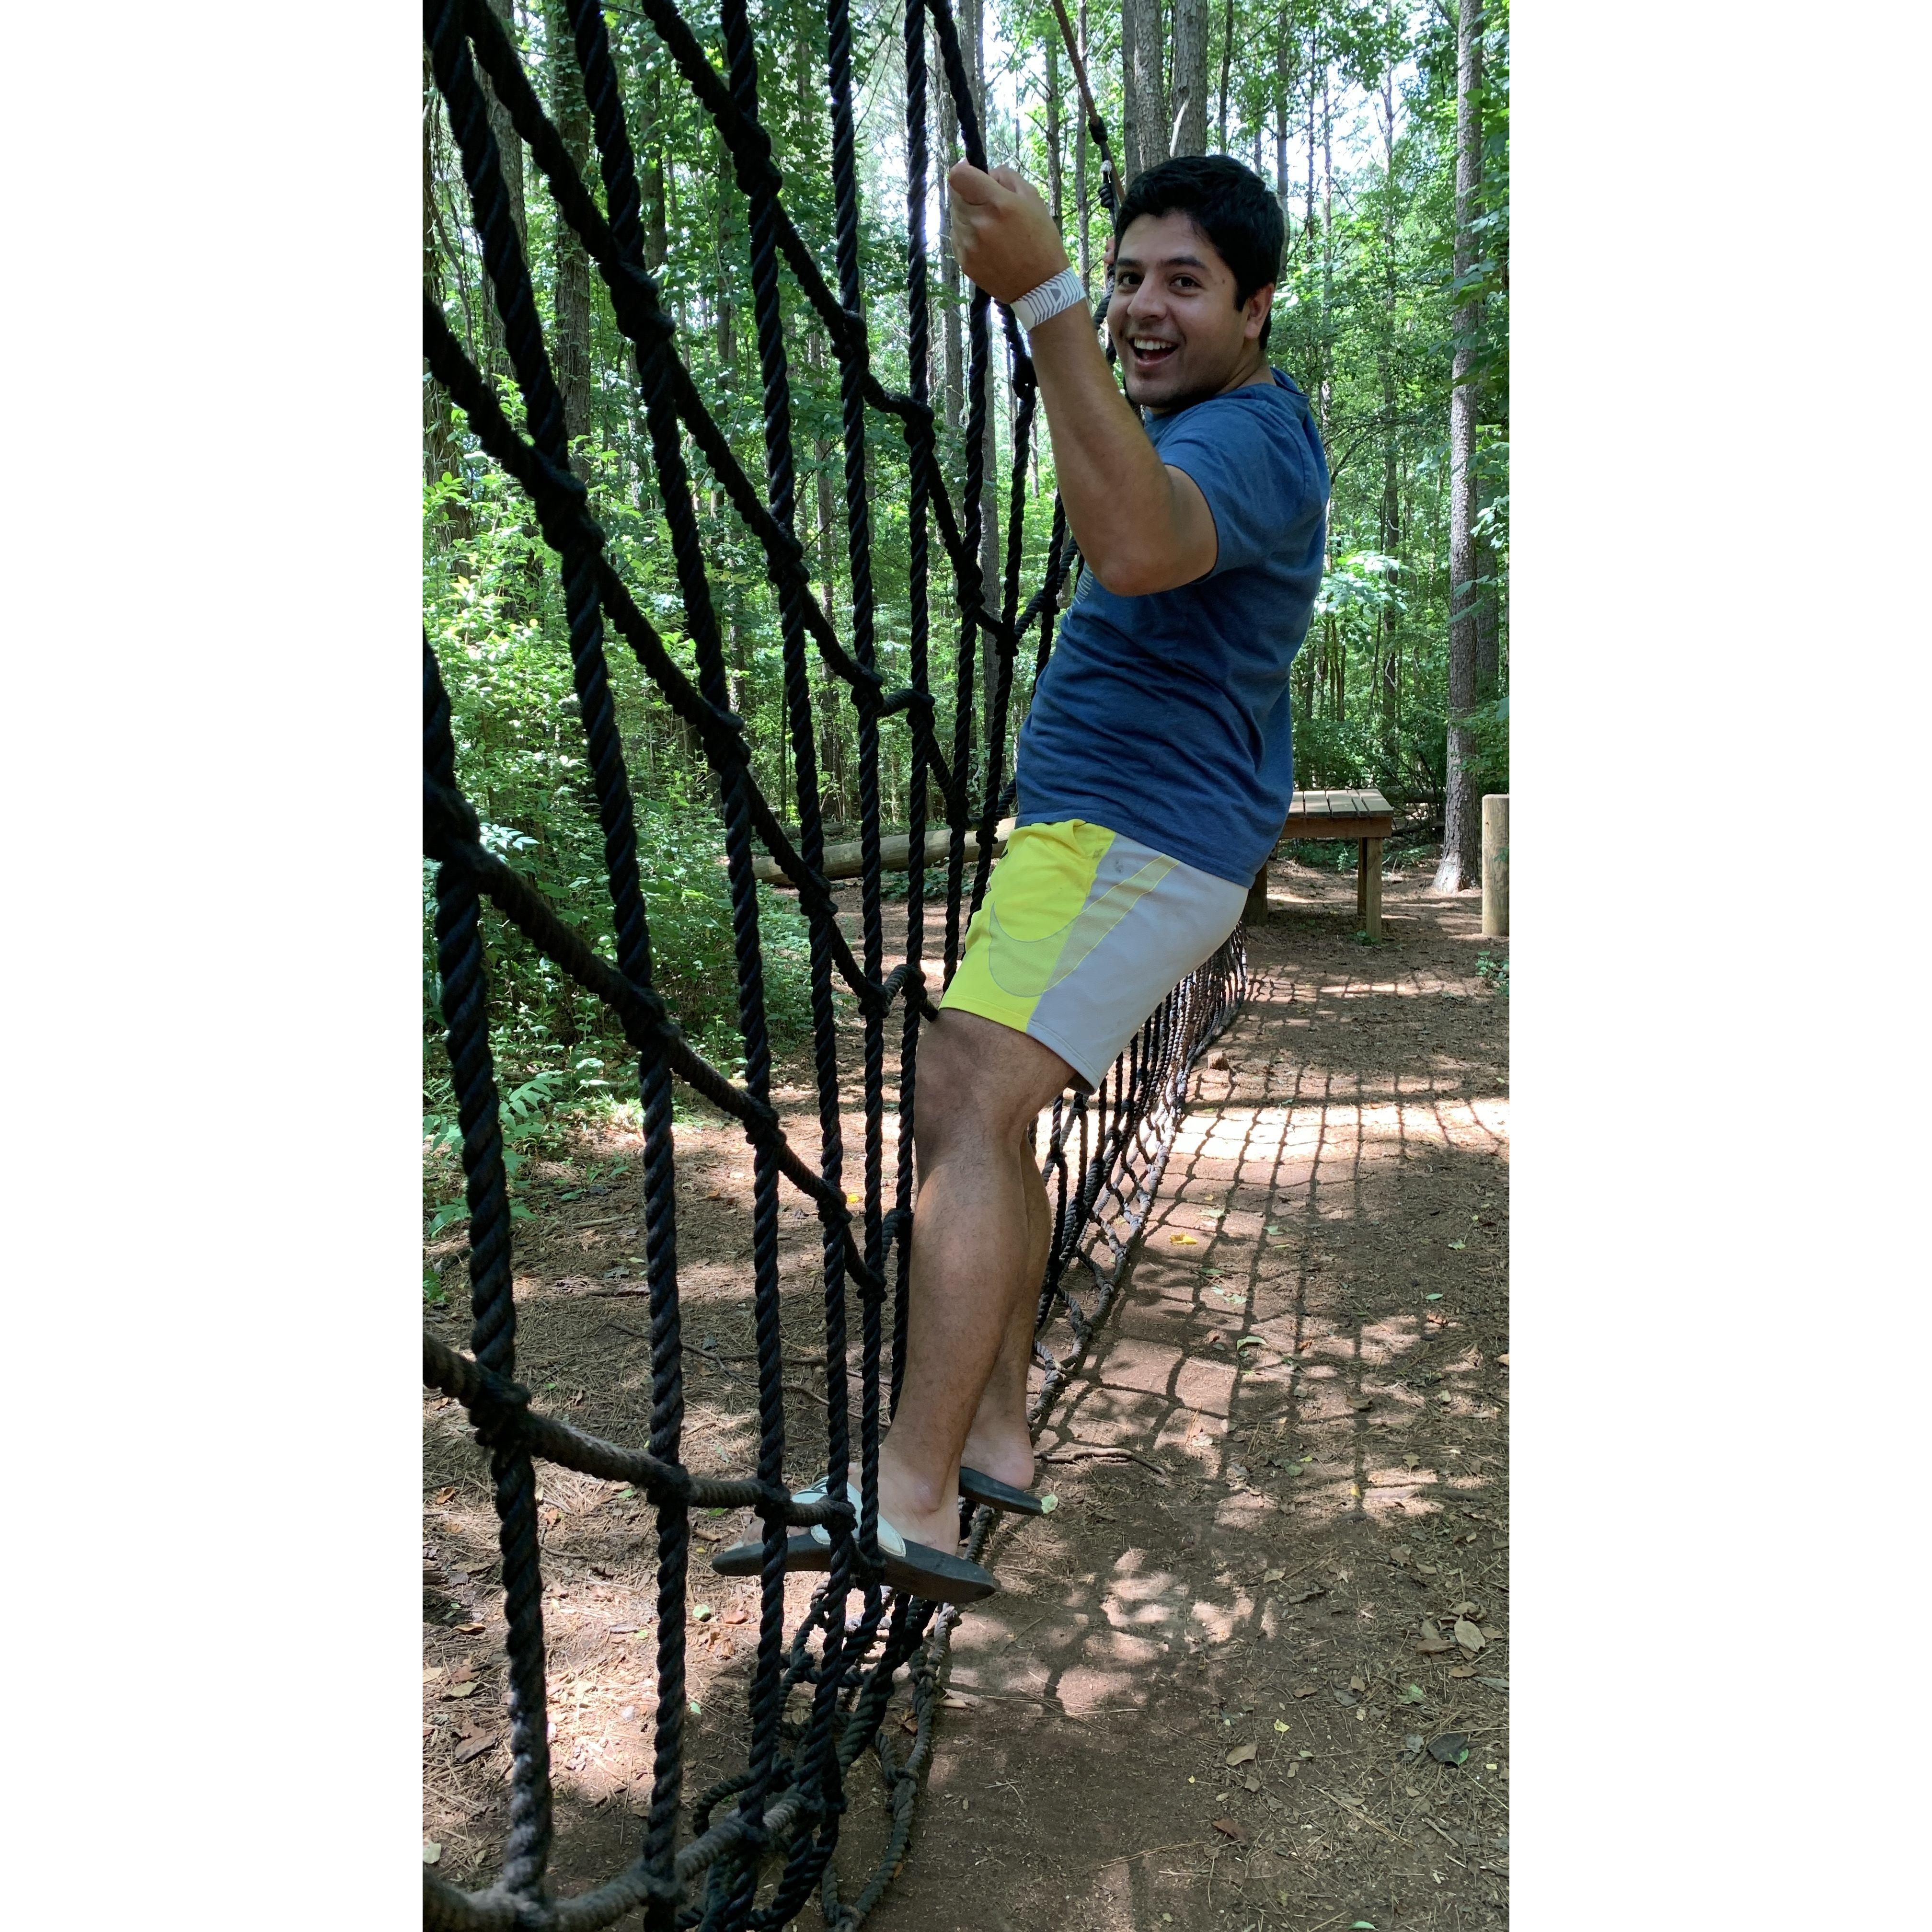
x,y
1004,237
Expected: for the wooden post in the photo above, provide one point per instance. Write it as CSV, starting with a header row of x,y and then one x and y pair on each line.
x,y
1495,864
1369,891
1255,913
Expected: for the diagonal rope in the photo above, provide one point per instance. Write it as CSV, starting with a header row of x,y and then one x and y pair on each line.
x,y
752,1849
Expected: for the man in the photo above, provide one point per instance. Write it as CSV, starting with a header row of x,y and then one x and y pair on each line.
x,y
1154,772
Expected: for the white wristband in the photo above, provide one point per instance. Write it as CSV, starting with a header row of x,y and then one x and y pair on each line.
x,y
1041,304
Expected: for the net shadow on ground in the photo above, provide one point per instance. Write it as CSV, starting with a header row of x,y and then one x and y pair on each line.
x,y
1249,1559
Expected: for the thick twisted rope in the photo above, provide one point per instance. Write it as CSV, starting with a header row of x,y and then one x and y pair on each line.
x,y
1104,1150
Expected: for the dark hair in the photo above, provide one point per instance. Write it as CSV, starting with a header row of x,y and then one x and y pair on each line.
x,y
1228,202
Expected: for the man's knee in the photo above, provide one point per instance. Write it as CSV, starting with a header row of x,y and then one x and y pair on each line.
x,y
979,1082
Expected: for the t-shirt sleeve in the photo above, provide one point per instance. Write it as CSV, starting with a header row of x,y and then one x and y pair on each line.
x,y
1248,463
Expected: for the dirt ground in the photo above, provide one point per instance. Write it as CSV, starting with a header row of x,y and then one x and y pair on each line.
x,y
1252,1673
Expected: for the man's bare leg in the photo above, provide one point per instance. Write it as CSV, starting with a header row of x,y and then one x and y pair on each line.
x,y
982,1229
997,1443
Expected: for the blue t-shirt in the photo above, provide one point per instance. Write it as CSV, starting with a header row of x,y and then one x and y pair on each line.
x,y
1166,717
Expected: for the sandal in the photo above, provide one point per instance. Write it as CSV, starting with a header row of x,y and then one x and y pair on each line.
x,y
976,1488
916,1568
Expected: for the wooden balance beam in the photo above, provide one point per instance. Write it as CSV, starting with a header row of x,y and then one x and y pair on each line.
x,y
1366,817
847,861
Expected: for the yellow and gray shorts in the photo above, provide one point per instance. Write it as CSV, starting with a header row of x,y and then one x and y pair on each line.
x,y
1083,932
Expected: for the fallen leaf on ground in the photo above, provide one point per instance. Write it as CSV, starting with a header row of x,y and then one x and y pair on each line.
x,y
1503,1360
472,1747
1410,1463
1359,1402
1279,1726
1229,1829
956,1700
1459,1244
1273,1575
431,1852
1307,1690
735,1615
443,1494
1241,1754
1357,1683
1183,1241
1468,1636
471,1630
1451,1748
1461,1670
459,1690
1048,1504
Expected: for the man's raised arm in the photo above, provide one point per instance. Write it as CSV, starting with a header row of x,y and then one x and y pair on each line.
x,y
1142,526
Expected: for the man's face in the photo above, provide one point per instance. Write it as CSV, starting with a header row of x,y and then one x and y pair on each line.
x,y
1174,325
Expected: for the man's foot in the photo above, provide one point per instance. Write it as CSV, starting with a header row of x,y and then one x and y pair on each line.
x,y
933,1570
915,1510
1004,1454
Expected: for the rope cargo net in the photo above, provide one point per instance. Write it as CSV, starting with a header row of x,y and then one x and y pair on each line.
x,y
754,1848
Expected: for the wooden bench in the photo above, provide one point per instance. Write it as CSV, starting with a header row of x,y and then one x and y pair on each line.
x,y
1366,817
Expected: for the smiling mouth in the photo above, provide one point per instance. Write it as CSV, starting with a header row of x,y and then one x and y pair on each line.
x,y
1150,352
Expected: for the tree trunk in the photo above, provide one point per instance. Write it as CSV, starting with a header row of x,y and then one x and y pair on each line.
x,y
973,36
953,397
1327,258
509,144
657,240
1080,200
1146,94
1308,197
1281,77
571,344
440,455
1227,55
1187,109
1389,643
1055,173
725,342
1461,862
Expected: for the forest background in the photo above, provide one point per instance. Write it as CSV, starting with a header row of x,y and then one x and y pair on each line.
x,y
1383,127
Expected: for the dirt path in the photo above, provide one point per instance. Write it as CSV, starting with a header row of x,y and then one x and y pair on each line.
x,y
1257,1573
1249,1533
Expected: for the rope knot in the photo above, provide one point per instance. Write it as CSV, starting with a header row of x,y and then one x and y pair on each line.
x,y
634,295
561,501
498,1415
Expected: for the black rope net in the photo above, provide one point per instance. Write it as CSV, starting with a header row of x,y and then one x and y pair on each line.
x,y
755,1847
